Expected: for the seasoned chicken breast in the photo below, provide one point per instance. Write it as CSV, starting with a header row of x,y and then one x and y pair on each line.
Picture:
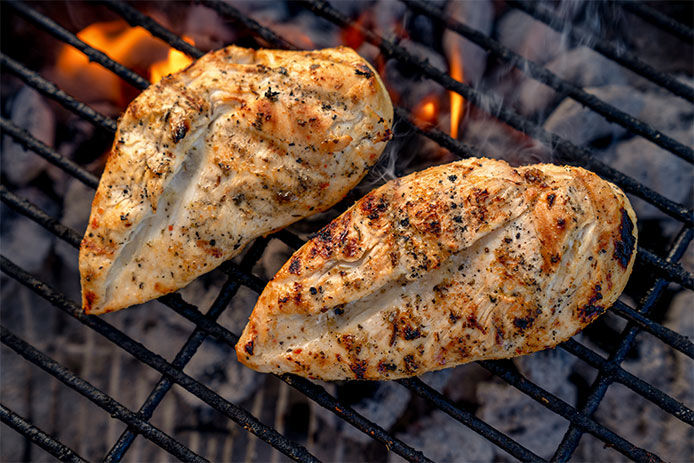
x,y
466,261
239,144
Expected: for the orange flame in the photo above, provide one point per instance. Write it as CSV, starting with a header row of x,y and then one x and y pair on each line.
x,y
133,47
92,82
174,62
456,64
113,38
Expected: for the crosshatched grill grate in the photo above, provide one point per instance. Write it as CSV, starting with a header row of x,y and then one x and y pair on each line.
x,y
609,370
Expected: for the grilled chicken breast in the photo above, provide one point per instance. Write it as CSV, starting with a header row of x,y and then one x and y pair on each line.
x,y
466,261
239,144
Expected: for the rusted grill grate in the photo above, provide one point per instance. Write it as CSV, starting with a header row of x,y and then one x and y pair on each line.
x,y
609,370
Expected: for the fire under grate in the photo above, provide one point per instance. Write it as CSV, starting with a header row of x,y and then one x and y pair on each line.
x,y
609,370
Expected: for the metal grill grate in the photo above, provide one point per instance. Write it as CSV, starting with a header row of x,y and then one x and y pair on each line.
x,y
609,369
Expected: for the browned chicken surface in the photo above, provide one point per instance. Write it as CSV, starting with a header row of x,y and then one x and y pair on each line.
x,y
466,261
239,144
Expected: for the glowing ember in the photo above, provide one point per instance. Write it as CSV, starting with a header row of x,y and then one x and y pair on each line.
x,y
426,111
351,35
174,62
456,64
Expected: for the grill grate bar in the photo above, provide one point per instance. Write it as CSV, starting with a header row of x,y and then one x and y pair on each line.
x,y
547,77
35,81
62,34
38,437
186,353
599,387
580,35
224,335
137,350
93,393
566,149
657,18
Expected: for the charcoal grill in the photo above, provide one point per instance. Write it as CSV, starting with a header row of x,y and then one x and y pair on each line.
x,y
662,269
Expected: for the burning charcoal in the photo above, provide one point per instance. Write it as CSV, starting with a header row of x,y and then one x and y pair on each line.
x,y
76,206
513,413
215,363
660,170
658,47
665,111
463,381
687,261
679,316
530,37
399,77
518,415
24,242
581,66
550,369
580,125
275,255
443,439
380,402
380,16
437,379
30,112
207,28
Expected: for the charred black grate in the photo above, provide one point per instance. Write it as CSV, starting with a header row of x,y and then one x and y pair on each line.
x,y
609,369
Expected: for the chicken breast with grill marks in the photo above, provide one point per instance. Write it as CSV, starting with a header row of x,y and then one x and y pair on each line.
x,y
238,145
467,261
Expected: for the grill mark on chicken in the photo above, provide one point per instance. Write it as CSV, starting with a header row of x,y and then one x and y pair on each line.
x,y
215,153
625,243
480,284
